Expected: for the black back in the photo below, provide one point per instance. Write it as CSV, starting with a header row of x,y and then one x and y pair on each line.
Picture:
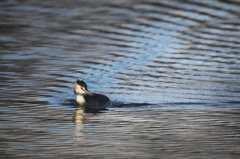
x,y
96,99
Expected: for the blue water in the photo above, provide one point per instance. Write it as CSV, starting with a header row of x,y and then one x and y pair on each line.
x,y
170,68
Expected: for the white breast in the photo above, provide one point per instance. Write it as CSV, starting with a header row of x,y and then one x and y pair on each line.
x,y
80,99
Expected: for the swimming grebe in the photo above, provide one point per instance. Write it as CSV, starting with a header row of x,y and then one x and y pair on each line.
x,y
80,88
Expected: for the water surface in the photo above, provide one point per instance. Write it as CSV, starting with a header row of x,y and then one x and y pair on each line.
x,y
171,68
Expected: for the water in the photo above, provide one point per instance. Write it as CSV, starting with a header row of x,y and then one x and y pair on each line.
x,y
171,69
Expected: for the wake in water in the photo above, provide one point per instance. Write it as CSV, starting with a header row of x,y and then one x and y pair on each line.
x,y
124,105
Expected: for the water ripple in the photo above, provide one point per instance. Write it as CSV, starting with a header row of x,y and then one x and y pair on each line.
x,y
171,69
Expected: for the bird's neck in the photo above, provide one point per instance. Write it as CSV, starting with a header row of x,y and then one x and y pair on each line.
x,y
80,99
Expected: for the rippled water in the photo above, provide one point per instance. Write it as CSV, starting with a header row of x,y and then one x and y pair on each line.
x,y
171,68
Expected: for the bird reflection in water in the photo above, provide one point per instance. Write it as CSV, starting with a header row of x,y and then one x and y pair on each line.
x,y
78,117
79,120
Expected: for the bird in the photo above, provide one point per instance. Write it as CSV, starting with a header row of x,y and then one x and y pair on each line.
x,y
83,96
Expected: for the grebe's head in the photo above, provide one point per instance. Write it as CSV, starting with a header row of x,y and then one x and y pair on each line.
x,y
80,88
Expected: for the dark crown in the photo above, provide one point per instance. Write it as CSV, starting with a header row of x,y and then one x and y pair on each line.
x,y
82,84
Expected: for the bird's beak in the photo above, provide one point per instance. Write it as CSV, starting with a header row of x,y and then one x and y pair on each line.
x,y
87,92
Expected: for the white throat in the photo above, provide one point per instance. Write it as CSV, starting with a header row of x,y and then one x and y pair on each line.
x,y
80,99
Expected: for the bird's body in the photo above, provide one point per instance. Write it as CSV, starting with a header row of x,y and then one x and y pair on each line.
x,y
83,96
96,99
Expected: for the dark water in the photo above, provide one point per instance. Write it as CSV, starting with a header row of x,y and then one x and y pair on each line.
x,y
171,68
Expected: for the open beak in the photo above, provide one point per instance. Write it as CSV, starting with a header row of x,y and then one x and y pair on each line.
x,y
87,92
